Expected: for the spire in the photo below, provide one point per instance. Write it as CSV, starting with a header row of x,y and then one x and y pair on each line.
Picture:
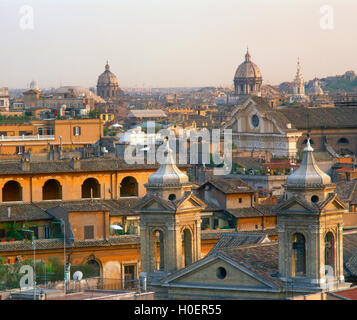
x,y
247,55
107,67
308,173
168,173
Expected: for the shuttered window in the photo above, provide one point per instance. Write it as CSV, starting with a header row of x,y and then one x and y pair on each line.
x,y
88,232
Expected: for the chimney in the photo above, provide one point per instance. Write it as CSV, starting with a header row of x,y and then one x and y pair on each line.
x,y
25,164
8,212
76,163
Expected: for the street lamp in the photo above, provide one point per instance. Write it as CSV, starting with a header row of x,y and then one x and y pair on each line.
x,y
34,261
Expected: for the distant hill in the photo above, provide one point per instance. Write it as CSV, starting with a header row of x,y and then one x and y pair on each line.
x,y
340,83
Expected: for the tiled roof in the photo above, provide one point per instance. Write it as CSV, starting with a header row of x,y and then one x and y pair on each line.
x,y
304,118
256,211
233,240
228,186
146,113
119,207
22,212
261,259
64,166
248,162
45,244
37,211
347,190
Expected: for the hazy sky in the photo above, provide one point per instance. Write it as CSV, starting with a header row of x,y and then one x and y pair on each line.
x,y
166,43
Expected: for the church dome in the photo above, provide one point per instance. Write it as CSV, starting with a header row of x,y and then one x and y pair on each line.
x,y
107,78
308,173
248,69
316,89
168,173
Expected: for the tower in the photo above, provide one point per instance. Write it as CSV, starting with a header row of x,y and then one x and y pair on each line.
x,y
309,223
170,223
298,86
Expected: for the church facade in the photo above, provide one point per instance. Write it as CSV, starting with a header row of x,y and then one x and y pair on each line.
x,y
257,127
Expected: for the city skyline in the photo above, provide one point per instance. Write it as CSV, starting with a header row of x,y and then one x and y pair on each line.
x,y
172,43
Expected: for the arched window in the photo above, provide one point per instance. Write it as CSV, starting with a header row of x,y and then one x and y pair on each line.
x,y
12,191
52,190
158,250
92,268
187,247
330,250
298,256
129,187
343,141
90,188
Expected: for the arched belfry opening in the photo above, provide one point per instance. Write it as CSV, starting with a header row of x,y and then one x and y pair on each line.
x,y
158,246
187,247
298,266
52,190
129,187
329,251
90,188
12,191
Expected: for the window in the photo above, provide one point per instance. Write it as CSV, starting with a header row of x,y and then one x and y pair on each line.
x,y
20,149
88,232
49,131
172,197
40,131
3,133
240,200
46,232
221,273
35,231
255,121
76,131
299,255
314,198
343,141
2,103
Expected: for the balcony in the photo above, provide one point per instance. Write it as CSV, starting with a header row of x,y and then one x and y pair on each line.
x,y
26,138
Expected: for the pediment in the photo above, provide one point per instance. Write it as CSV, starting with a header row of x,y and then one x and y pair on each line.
x,y
153,204
207,272
295,205
334,204
191,202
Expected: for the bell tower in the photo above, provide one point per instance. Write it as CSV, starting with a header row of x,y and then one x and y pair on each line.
x,y
170,222
309,223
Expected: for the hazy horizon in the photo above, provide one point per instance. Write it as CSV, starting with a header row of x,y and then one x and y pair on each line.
x,y
173,43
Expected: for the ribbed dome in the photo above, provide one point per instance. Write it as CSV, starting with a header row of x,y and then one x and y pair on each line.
x,y
107,77
168,173
248,69
308,173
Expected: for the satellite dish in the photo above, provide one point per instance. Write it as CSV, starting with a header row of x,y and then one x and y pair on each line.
x,y
78,275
